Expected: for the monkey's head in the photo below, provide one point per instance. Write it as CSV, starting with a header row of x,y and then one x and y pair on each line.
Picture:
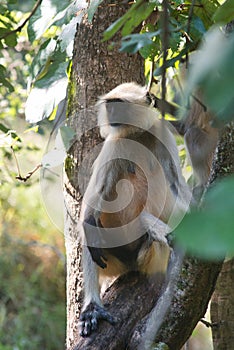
x,y
123,111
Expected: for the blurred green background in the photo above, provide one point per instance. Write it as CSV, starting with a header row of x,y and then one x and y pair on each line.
x,y
32,256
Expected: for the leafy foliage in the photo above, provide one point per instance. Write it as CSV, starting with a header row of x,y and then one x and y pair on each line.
x,y
188,22
50,32
213,71
32,292
209,233
135,42
225,13
32,308
138,12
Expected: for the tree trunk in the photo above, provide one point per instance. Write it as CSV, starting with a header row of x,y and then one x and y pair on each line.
x,y
222,309
96,70
222,303
197,279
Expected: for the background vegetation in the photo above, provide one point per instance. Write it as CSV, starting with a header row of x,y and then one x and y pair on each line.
x,y
32,261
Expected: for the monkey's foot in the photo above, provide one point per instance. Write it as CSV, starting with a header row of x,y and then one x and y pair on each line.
x,y
90,317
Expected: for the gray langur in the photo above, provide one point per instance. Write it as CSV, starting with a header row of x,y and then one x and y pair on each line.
x,y
200,136
135,196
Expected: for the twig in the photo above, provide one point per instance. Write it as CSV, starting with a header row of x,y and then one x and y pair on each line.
x,y
20,27
210,324
29,174
187,36
151,76
165,29
200,102
16,161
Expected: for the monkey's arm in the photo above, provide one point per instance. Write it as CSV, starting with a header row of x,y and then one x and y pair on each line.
x,y
93,239
163,105
156,228
92,310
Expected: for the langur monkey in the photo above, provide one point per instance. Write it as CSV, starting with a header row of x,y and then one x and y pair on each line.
x,y
135,193
200,136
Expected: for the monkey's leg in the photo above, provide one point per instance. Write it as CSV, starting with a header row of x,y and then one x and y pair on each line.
x,y
154,255
92,311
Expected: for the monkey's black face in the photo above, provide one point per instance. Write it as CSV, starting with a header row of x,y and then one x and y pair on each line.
x,y
114,100
122,113
116,124
118,117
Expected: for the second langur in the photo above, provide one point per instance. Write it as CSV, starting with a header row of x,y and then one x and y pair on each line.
x,y
135,194
200,136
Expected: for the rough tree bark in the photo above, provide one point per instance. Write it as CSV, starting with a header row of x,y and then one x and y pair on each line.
x,y
222,309
222,304
95,71
197,279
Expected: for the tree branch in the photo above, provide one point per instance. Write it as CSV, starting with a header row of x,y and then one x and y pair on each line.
x,y
129,299
20,27
165,35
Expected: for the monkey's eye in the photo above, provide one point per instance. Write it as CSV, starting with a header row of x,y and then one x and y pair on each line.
x,y
114,100
115,124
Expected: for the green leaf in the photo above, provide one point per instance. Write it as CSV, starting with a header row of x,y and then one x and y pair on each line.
x,y
76,9
134,42
213,71
209,233
49,65
11,40
3,9
3,31
42,101
67,35
150,51
113,28
138,12
197,29
225,13
56,71
93,8
205,11
6,130
6,21
67,135
172,61
44,17
42,57
4,81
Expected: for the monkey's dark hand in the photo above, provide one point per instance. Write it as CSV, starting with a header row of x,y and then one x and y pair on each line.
x,y
90,317
98,256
